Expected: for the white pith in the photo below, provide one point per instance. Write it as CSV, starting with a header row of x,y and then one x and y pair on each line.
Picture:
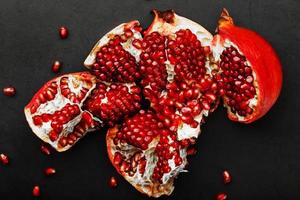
x,y
49,107
217,50
119,30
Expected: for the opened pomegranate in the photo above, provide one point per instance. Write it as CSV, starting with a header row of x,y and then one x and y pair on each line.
x,y
114,58
146,153
150,149
54,113
250,75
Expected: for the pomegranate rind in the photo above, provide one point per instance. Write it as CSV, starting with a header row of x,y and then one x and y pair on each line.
x,y
91,58
81,76
151,189
263,60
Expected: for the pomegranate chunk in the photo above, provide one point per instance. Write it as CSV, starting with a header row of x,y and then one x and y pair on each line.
x,y
146,153
114,58
54,114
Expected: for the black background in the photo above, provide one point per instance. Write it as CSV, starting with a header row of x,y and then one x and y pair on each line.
x,y
264,157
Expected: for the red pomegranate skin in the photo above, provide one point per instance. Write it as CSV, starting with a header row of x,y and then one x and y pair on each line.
x,y
264,61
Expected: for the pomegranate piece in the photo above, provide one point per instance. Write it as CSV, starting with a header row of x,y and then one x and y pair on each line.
x,y
113,182
49,171
226,177
176,72
250,74
63,32
36,191
146,153
54,113
4,159
9,91
56,66
114,58
113,102
221,196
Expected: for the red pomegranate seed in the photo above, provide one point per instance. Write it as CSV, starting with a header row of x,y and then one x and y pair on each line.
x,y
45,150
50,171
226,177
36,191
63,32
113,182
56,66
4,159
9,91
221,196
191,151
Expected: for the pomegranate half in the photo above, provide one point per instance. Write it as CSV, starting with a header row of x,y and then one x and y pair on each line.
x,y
250,74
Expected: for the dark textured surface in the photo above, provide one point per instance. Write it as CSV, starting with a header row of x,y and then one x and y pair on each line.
x,y
264,157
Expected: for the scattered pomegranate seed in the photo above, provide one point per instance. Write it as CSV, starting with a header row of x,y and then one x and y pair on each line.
x,y
191,151
56,66
45,150
4,159
63,32
221,196
50,171
36,191
9,91
226,177
113,182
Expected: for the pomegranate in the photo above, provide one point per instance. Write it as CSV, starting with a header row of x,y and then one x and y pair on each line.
x,y
69,106
114,58
146,153
176,72
54,113
250,75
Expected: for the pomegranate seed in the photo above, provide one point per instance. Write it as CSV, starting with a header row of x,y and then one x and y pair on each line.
x,y
191,151
45,150
221,196
50,171
36,191
4,159
113,182
9,91
63,32
226,177
56,66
